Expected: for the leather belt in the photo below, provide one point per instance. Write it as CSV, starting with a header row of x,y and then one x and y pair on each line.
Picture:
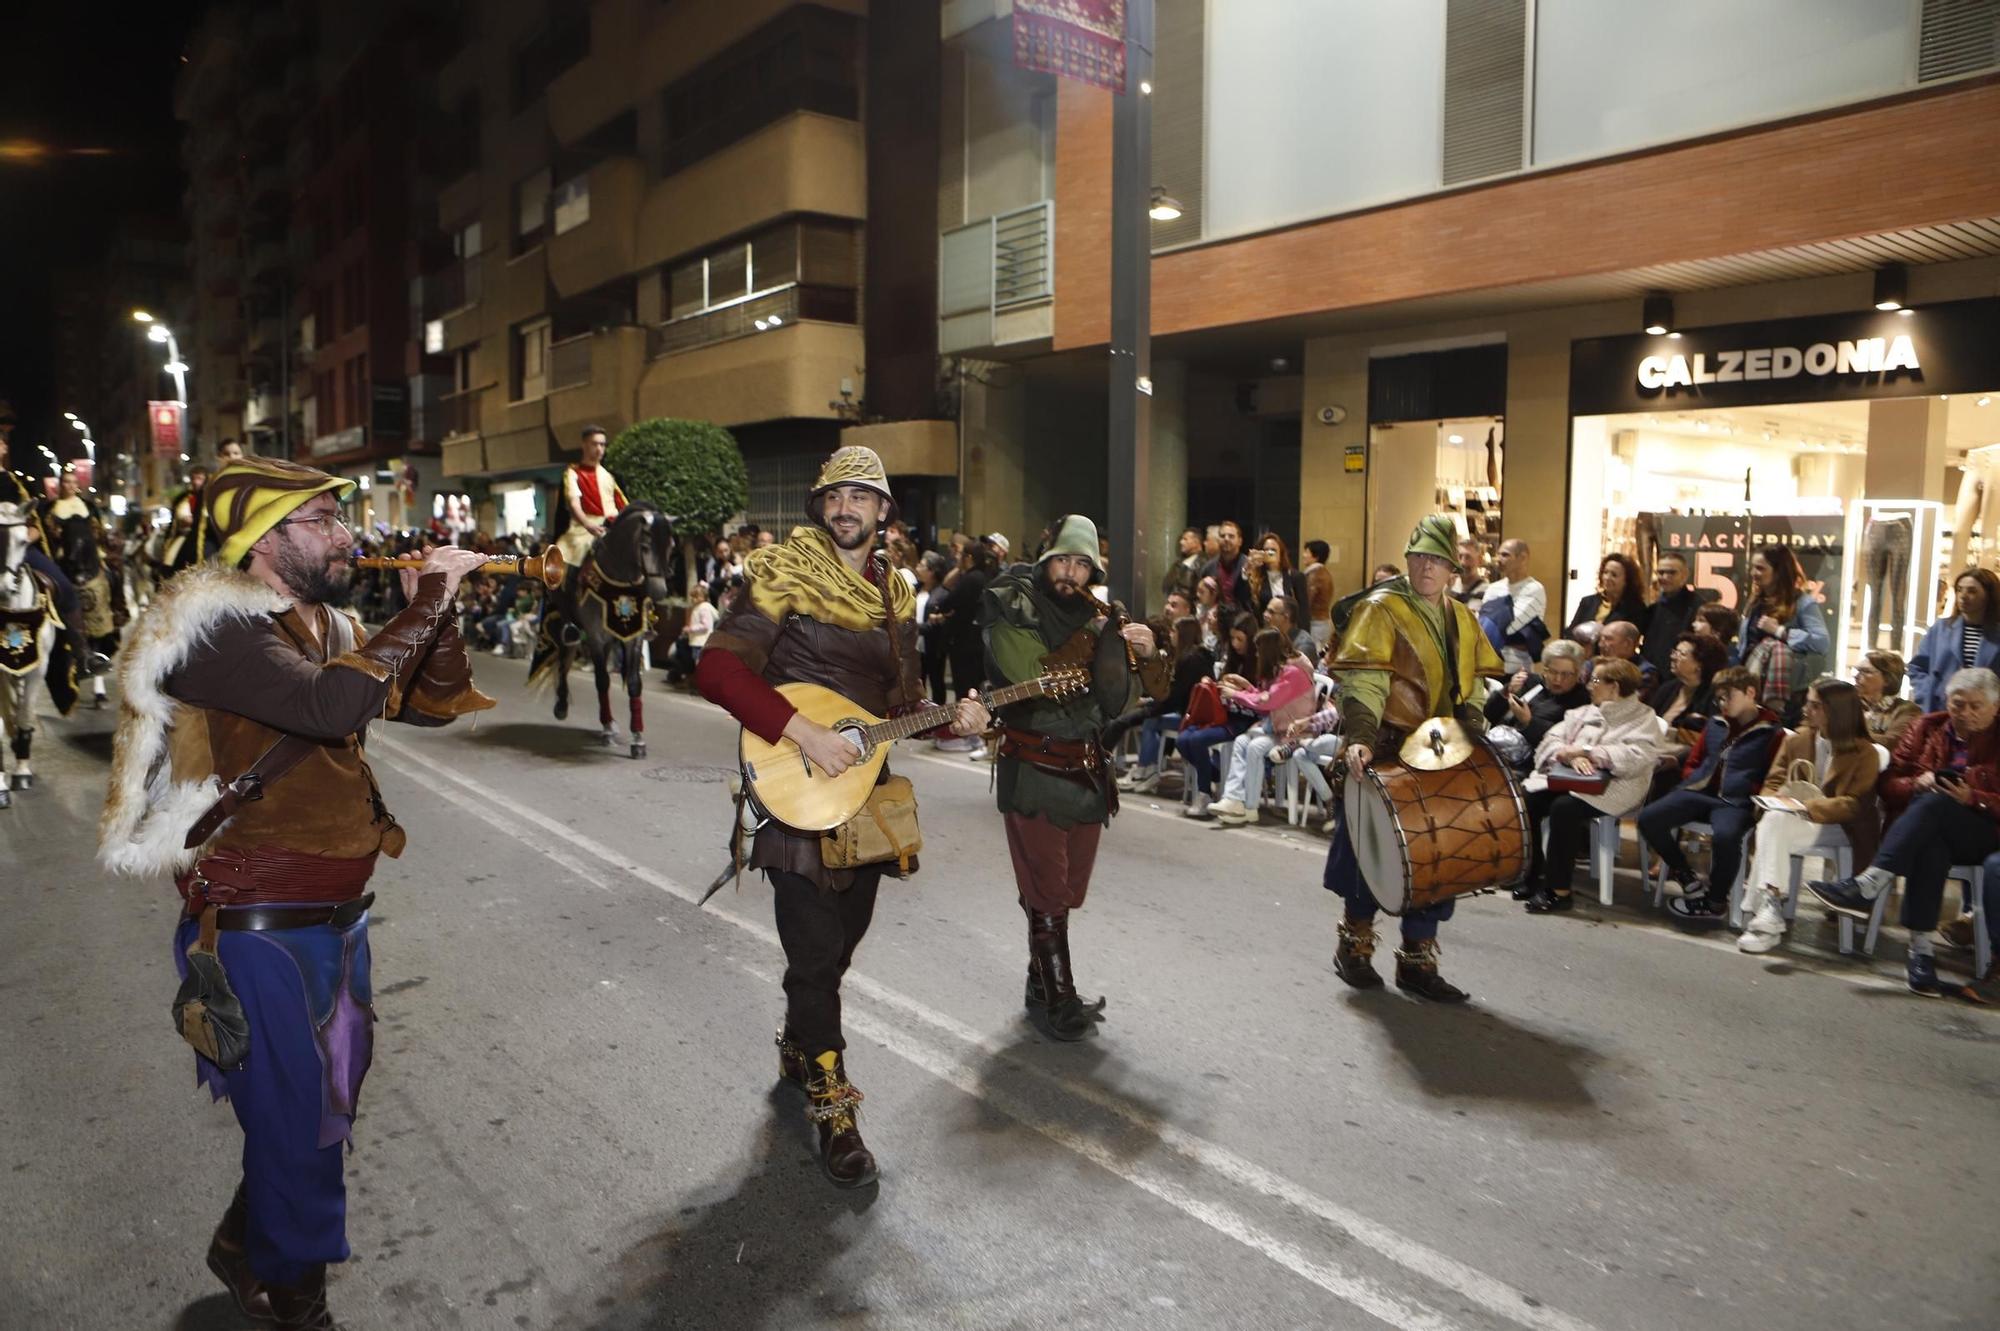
x,y
1049,753
257,919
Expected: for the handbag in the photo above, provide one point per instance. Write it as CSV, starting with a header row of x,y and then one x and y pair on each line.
x,y
1204,707
206,1011
1569,781
885,829
1799,784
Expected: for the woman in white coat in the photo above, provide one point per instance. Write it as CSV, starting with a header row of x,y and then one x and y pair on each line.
x,y
1613,740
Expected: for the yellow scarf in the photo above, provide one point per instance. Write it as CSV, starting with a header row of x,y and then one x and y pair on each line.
x,y
805,575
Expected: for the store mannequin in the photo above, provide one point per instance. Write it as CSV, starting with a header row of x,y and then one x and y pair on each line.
x,y
1885,566
1978,506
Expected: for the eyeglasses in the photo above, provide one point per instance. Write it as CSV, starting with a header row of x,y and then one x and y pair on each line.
x,y
326,522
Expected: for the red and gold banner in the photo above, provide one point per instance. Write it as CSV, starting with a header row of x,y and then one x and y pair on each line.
x,y
1072,39
165,420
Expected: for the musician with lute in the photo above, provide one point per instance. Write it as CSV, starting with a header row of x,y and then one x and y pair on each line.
x,y
1056,789
824,608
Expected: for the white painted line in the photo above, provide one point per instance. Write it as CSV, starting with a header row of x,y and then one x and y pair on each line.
x,y
1486,1291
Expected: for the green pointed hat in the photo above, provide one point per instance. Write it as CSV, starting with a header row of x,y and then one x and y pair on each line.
x,y
1074,535
1435,535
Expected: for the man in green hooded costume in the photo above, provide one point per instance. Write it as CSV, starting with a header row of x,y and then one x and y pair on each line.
x,y
1056,789
1408,652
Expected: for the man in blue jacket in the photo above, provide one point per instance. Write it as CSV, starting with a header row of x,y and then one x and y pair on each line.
x,y
1724,770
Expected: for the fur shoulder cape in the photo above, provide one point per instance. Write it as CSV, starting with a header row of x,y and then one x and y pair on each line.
x,y
147,813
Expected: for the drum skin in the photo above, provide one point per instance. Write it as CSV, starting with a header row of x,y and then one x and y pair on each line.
x,y
1424,837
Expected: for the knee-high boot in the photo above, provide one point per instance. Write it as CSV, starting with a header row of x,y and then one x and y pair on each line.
x,y
1051,998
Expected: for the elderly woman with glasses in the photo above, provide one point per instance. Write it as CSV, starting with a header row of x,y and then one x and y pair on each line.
x,y
1942,791
1878,678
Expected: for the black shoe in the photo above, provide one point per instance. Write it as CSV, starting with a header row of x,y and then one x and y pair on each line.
x,y
1354,955
1843,895
1549,903
302,1307
1523,892
1417,973
1704,910
791,1061
1921,973
831,1100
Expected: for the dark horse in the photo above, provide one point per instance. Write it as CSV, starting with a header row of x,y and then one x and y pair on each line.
x,y
603,608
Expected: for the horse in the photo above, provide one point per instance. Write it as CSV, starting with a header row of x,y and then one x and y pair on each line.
x,y
27,640
603,607
81,558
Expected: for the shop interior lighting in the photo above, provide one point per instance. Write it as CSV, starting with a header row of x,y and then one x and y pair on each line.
x,y
1165,207
1892,287
1658,314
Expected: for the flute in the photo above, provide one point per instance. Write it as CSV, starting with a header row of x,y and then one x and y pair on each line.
x,y
547,566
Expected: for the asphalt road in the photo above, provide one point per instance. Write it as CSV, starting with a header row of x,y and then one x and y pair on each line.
x,y
572,1120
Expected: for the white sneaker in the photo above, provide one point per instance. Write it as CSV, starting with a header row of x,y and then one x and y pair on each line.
x,y
1693,887
1766,928
1147,784
1137,776
1227,808
1245,819
1198,808
1328,824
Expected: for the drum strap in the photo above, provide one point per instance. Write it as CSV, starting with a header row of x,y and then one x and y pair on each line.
x,y
1451,656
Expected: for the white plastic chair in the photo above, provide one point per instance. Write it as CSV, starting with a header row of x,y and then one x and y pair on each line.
x,y
1973,876
1604,853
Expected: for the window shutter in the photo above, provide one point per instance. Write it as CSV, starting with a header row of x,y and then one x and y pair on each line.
x,y
1485,87
1958,37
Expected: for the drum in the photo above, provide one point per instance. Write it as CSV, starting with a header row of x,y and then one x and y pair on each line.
x,y
1423,836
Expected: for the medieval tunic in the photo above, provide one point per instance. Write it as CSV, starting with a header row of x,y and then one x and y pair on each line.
x,y
593,492
809,616
1402,661
219,669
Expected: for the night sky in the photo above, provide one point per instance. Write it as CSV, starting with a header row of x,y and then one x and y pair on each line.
x,y
78,76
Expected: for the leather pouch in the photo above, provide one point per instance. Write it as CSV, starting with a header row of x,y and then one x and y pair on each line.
x,y
884,831
206,1010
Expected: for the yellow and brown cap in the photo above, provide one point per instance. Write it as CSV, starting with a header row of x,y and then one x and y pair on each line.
x,y
851,464
249,496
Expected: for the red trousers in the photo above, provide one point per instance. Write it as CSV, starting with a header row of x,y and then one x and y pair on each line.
x,y
1051,864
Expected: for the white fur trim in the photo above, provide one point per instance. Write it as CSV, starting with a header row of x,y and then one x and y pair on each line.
x,y
147,813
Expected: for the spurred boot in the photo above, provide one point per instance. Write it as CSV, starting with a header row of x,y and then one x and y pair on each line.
x,y
1052,1000
232,1265
792,1063
830,1103
1354,954
1417,973
302,1307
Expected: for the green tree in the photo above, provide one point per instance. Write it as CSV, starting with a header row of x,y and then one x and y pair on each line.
x,y
691,470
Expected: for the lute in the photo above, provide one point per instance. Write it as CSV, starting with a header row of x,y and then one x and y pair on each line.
x,y
786,784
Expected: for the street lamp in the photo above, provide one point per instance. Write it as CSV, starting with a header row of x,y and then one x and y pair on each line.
x,y
159,332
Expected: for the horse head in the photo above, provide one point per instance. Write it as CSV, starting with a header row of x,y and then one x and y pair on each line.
x,y
639,547
13,537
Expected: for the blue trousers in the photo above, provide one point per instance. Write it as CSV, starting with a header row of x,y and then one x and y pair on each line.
x,y
65,596
1675,809
1343,878
1930,836
289,1091
1198,747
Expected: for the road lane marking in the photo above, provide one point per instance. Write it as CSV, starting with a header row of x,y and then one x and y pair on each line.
x,y
1489,1292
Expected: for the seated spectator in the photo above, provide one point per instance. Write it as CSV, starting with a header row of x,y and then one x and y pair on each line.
x,y
1971,637
1784,642
1618,640
1718,622
1192,662
1286,699
1197,745
1834,743
1615,734
1178,606
1620,596
1685,700
1281,613
1530,705
1319,592
1206,602
1878,677
1384,572
1307,746
685,654
1724,771
1942,791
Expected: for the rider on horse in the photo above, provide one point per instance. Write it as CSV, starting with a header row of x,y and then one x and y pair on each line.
x,y
72,524
591,498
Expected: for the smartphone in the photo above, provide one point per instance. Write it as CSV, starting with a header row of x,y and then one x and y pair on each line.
x,y
1950,777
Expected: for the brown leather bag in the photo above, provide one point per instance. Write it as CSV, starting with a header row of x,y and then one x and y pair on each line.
x,y
885,829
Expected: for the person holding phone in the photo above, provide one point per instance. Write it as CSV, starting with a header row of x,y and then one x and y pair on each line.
x,y
1942,791
1723,771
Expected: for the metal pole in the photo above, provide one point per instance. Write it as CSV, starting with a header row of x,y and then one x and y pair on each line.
x,y
1131,417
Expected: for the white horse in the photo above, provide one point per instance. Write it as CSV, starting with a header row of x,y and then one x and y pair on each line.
x,y
27,633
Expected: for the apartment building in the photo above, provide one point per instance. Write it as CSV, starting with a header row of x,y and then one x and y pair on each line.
x,y
1405,262
669,210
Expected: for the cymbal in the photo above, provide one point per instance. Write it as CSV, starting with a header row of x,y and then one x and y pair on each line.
x,y
1437,744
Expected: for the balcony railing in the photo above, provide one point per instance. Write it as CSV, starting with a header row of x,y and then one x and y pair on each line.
x,y
758,314
569,362
451,289
1023,257
455,414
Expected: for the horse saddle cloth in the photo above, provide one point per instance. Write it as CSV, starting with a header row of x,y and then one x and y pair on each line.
x,y
627,613
21,640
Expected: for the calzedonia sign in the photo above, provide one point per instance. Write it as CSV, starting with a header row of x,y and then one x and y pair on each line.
x,y
1948,348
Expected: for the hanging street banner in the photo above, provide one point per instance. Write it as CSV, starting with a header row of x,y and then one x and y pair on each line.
x,y
1072,39
1719,547
165,420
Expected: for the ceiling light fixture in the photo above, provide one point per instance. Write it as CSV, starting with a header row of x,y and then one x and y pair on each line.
x,y
1892,287
1657,314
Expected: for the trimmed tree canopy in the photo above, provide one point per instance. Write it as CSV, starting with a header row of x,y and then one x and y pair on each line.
x,y
692,470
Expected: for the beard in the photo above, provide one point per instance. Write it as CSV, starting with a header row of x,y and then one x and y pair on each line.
x,y
1059,590
858,536
316,582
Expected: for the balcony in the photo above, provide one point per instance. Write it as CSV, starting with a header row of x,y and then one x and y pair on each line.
x,y
605,244
594,379
449,290
996,280
791,372
594,89
454,415
802,164
753,317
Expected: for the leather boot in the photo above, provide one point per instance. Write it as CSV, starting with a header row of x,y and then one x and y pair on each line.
x,y
830,1103
232,1265
1354,954
1060,1015
1417,973
302,1307
792,1063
